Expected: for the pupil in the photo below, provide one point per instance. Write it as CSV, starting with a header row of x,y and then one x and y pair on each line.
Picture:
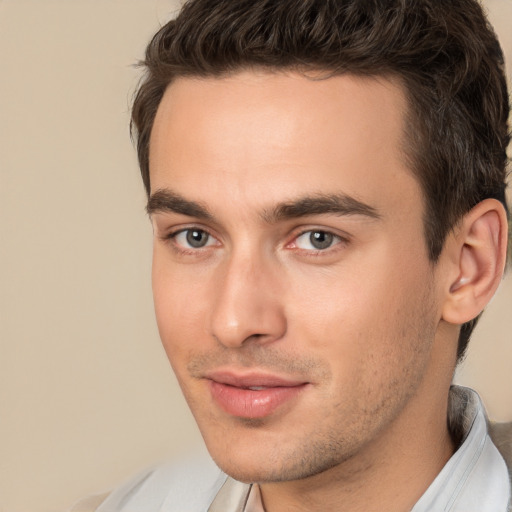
x,y
320,239
196,238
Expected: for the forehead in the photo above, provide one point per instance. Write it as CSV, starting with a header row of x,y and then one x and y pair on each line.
x,y
260,137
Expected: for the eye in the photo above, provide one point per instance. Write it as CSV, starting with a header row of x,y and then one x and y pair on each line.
x,y
316,240
193,238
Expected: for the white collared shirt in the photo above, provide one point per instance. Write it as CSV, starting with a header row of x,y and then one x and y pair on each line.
x,y
475,479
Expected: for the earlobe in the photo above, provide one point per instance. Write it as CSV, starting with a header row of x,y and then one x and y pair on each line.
x,y
479,247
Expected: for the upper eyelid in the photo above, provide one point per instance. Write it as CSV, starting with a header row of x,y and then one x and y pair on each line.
x,y
170,232
323,230
339,234
318,231
175,232
167,222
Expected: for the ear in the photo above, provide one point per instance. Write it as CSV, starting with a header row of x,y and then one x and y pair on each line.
x,y
476,253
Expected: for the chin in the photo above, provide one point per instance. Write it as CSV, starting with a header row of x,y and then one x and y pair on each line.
x,y
260,466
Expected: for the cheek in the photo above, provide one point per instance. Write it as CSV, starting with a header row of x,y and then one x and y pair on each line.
x,y
180,308
366,317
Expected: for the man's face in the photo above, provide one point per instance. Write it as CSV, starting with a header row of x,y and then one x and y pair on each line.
x,y
292,288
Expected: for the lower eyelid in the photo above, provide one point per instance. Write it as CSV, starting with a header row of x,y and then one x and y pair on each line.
x,y
337,239
184,247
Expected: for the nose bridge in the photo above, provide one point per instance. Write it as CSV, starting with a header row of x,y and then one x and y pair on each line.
x,y
247,304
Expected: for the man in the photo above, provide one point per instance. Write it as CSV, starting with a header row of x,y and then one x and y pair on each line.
x,y
326,184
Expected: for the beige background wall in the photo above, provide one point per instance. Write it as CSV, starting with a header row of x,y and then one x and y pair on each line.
x,y
86,395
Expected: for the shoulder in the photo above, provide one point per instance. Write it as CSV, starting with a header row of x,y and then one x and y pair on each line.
x,y
89,504
186,485
501,435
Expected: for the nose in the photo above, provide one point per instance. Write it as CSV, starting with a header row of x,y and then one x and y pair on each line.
x,y
248,303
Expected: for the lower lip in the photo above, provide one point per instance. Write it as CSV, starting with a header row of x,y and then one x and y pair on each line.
x,y
248,403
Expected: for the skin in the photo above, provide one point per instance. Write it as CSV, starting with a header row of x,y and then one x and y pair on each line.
x,y
360,321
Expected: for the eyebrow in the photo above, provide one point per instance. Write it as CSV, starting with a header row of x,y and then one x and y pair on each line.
x,y
165,200
320,204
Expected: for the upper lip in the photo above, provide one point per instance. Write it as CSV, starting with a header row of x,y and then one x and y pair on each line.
x,y
252,379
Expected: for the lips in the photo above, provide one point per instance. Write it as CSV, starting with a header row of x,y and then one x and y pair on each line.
x,y
253,395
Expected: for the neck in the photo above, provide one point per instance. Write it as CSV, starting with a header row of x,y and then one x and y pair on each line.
x,y
390,474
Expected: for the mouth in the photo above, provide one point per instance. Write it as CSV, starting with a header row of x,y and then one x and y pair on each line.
x,y
254,395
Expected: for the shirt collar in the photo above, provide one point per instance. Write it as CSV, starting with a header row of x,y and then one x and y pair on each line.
x,y
475,477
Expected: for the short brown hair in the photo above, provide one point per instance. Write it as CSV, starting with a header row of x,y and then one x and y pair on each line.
x,y
444,52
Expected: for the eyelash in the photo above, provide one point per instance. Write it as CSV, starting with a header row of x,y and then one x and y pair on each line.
x,y
337,240
171,239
